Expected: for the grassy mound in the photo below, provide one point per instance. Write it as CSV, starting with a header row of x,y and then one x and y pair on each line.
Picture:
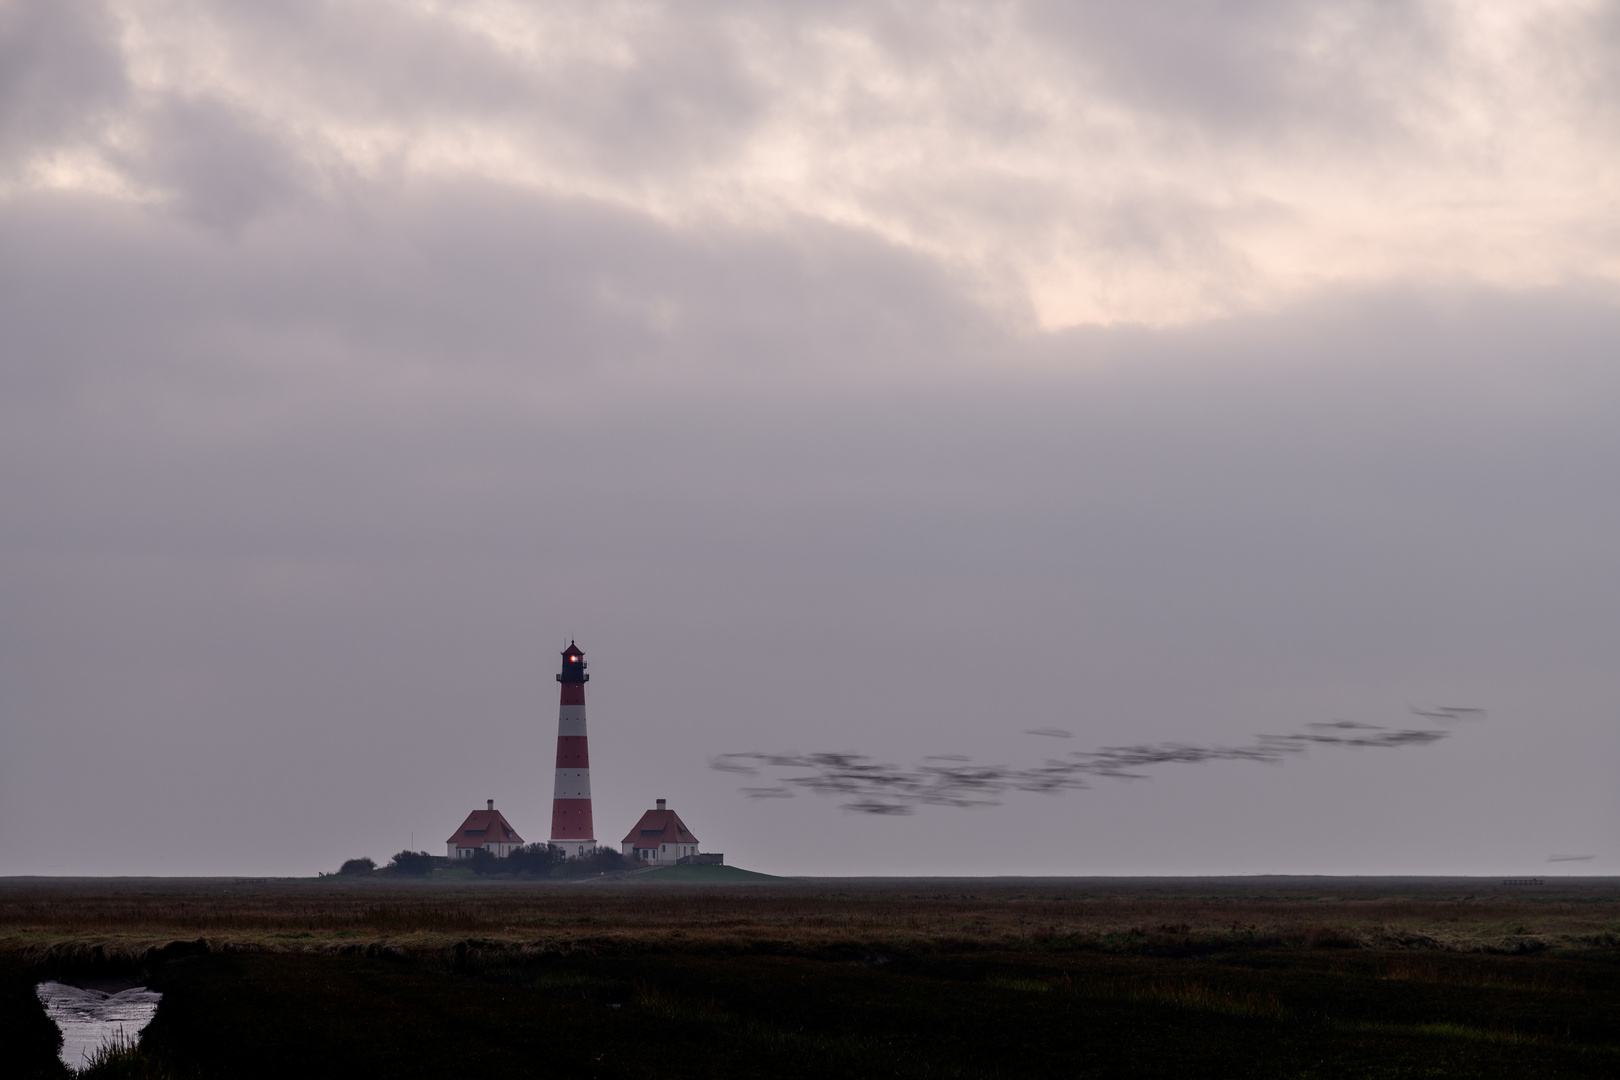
x,y
702,875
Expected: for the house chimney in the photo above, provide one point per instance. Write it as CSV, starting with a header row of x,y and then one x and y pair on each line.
x,y
491,803
660,804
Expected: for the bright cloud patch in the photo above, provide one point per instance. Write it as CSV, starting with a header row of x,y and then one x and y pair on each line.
x,y
1070,164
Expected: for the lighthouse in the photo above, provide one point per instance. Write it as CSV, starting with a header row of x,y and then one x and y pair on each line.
x,y
571,827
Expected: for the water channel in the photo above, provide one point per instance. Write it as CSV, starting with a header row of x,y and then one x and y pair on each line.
x,y
92,1019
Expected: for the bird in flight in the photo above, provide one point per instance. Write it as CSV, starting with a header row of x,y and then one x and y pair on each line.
x,y
1450,712
872,787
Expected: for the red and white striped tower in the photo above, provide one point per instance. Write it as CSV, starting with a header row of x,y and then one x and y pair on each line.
x,y
571,827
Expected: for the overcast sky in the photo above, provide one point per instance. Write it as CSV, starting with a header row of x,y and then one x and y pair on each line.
x,y
857,377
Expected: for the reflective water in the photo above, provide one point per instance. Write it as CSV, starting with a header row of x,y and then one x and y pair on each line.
x,y
91,1019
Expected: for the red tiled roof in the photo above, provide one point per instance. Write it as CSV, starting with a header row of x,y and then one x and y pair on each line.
x,y
484,826
659,827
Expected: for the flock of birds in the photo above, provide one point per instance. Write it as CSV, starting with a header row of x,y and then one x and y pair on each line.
x,y
871,787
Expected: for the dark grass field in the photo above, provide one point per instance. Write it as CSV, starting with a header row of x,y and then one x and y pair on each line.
x,y
1014,978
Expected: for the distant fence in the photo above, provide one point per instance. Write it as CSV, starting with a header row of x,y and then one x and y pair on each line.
x,y
1512,881
710,859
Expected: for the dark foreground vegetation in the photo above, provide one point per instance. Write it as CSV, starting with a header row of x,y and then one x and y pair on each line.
x,y
677,977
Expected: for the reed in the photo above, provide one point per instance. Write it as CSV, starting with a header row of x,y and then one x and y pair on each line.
x,y
807,978
332,913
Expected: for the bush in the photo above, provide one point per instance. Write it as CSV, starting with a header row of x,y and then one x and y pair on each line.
x,y
534,860
357,866
601,861
530,860
412,863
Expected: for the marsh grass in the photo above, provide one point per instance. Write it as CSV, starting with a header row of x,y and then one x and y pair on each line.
x,y
1432,971
1189,994
129,918
896,978
1466,1032
1178,992
123,1058
1026,986
847,1054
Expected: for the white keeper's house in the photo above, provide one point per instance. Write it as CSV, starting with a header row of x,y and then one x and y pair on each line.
x,y
660,838
487,830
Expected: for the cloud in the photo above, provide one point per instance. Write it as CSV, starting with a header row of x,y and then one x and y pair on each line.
x,y
352,352
334,478
61,74
1068,164
218,168
1258,71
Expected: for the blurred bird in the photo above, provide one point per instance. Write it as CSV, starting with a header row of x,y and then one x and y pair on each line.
x,y
1450,713
871,787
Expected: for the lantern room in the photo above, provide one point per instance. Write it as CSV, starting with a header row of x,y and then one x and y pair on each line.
x,y
573,665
